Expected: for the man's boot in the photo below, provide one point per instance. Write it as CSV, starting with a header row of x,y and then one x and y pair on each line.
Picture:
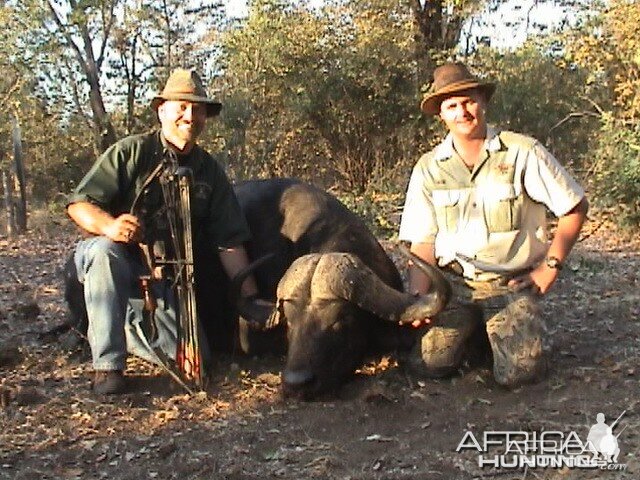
x,y
445,344
107,382
515,334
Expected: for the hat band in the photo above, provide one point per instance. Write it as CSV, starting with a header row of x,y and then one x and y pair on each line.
x,y
464,84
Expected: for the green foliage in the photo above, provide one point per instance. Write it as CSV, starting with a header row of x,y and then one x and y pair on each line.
x,y
380,205
52,145
330,95
616,168
537,94
608,49
376,209
259,61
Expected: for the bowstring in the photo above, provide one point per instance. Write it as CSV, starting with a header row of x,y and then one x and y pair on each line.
x,y
171,192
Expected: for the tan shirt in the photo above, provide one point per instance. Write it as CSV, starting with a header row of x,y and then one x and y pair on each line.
x,y
493,216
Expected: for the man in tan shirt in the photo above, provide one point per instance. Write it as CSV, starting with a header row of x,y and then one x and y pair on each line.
x,y
476,205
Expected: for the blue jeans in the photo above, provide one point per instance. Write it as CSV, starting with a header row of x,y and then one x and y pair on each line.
x,y
109,272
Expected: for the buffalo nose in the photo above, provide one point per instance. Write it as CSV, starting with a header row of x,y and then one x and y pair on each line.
x,y
297,378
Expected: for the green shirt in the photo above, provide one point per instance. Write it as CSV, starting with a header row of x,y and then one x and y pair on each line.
x,y
115,180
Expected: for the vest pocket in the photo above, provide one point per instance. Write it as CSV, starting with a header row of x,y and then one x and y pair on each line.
x,y
446,206
503,209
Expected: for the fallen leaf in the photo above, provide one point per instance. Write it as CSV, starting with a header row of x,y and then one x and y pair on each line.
x,y
378,438
88,444
72,472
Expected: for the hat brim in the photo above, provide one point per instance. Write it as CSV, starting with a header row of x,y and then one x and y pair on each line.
x,y
213,107
431,102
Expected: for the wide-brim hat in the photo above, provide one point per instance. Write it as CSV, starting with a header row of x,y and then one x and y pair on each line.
x,y
186,85
449,79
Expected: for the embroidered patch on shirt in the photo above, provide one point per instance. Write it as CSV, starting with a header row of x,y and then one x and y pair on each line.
x,y
504,168
201,191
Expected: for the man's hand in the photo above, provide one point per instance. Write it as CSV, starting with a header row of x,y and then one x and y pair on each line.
x,y
539,280
423,322
257,312
125,229
542,278
411,320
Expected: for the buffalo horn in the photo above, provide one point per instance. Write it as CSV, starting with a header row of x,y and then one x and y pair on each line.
x,y
347,277
438,282
247,308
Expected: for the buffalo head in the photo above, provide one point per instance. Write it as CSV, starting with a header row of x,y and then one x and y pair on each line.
x,y
332,304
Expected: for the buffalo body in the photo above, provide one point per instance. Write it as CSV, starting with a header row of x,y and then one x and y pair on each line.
x,y
337,294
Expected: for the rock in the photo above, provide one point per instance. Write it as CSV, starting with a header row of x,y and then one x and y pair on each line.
x,y
29,396
10,356
28,310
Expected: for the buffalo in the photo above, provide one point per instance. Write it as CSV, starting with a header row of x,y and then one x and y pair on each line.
x,y
336,295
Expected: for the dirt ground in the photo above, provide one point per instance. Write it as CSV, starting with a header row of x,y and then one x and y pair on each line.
x,y
386,424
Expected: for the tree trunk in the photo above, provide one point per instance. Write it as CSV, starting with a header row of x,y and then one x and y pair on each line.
x,y
8,204
132,83
104,131
19,180
82,45
437,32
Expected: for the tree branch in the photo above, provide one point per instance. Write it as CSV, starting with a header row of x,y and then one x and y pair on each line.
x,y
594,104
570,116
5,97
76,100
65,32
106,32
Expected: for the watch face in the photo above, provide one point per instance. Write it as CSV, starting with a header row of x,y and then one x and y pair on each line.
x,y
553,262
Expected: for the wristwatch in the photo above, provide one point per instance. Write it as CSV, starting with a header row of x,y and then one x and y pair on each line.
x,y
553,262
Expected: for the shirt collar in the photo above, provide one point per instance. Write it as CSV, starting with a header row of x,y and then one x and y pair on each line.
x,y
192,159
492,143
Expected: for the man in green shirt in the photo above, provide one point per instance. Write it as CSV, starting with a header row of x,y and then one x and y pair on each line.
x,y
119,210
